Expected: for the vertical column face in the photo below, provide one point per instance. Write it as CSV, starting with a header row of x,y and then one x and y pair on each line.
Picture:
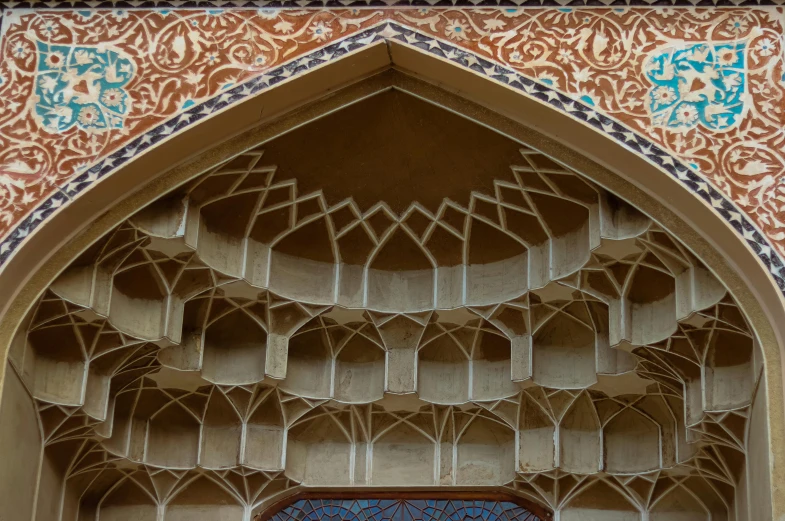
x,y
415,313
22,445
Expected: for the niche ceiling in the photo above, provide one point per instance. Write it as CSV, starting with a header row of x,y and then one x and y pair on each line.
x,y
391,296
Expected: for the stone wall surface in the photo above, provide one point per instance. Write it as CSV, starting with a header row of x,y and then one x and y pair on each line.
x,y
704,86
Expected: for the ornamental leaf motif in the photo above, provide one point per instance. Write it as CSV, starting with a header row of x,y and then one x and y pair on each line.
x,y
82,86
700,84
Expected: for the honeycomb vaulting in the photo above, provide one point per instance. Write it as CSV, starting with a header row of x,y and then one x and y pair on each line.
x,y
246,336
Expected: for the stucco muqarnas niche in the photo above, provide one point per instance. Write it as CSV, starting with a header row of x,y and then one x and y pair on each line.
x,y
566,495
258,331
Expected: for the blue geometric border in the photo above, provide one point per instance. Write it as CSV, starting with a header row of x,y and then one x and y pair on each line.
x,y
575,109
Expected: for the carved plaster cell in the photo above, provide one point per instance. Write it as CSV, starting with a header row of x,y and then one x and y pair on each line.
x,y
76,86
476,316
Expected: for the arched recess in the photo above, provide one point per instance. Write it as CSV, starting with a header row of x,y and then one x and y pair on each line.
x,y
58,241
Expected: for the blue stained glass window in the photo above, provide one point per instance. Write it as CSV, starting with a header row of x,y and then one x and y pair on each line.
x,y
403,510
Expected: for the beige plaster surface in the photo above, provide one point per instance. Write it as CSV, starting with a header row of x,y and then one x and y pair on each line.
x,y
20,450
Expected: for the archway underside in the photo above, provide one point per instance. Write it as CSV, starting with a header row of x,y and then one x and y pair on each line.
x,y
415,311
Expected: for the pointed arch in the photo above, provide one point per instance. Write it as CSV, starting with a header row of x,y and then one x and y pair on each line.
x,y
492,92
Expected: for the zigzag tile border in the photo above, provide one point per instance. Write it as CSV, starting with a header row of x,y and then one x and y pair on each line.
x,y
389,30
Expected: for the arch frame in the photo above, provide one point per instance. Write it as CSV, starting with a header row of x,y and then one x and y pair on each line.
x,y
521,100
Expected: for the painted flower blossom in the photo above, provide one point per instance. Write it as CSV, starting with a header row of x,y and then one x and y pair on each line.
x,y
55,60
737,24
50,27
686,114
663,95
565,56
120,14
20,50
727,56
765,47
320,31
89,116
112,97
456,30
260,60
